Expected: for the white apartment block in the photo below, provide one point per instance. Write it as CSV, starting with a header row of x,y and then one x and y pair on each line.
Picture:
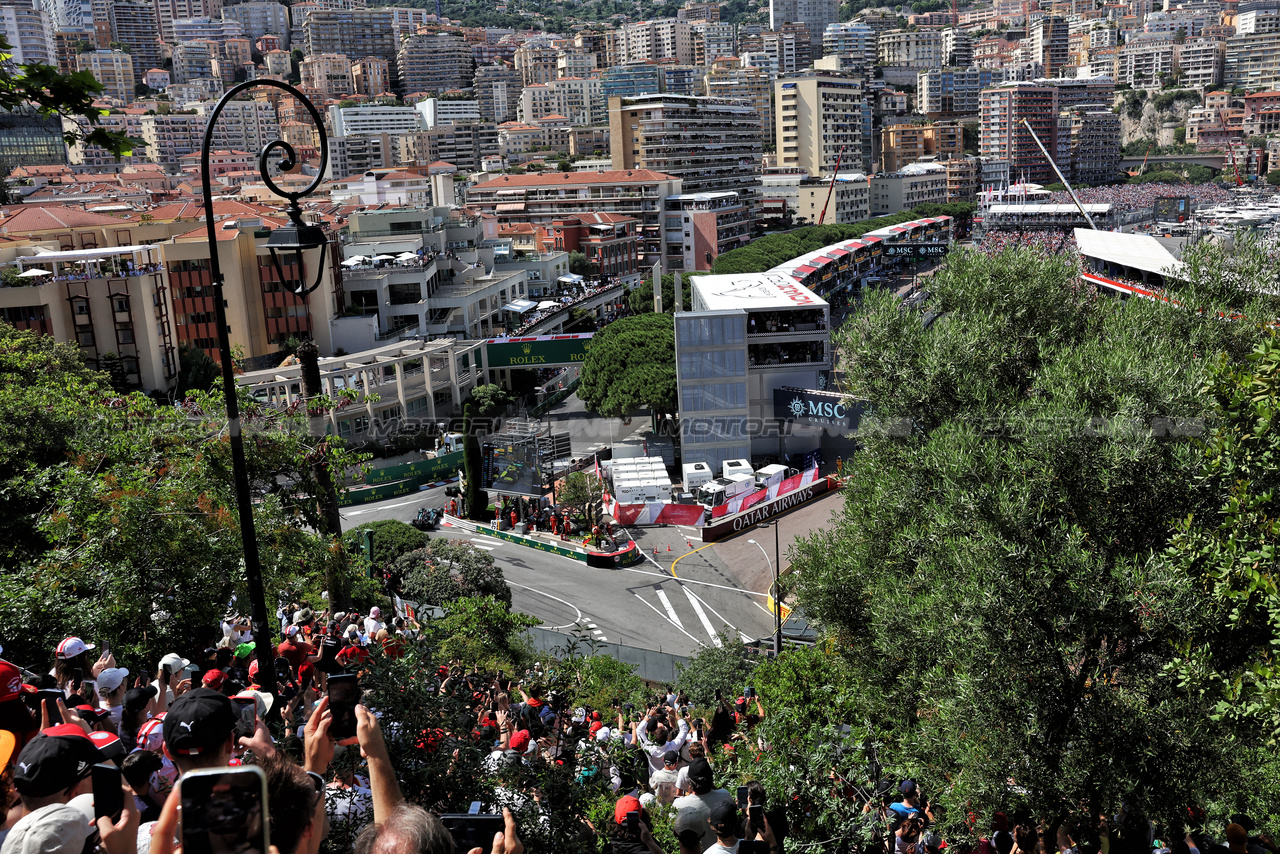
x,y
855,40
29,33
954,90
211,29
653,41
327,73
257,19
578,99
357,121
816,14
247,125
1250,62
901,47
435,111
1141,64
113,69
1201,62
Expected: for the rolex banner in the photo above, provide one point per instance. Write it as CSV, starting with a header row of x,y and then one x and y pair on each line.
x,y
539,351
811,406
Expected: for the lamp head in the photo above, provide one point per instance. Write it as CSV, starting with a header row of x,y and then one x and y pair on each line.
x,y
296,238
753,542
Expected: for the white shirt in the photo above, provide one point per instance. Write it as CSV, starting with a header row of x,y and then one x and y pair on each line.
x,y
701,806
720,849
373,626
655,751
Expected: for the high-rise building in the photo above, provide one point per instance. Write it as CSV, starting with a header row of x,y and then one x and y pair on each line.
x,y
1003,138
355,33
1049,44
360,121
29,33
1095,144
906,47
1250,61
668,39
208,29
247,125
371,76
133,23
575,62
902,145
821,115
713,41
194,61
787,54
1143,60
957,48
627,81
817,14
28,138
729,79
711,144
258,18
578,99
114,70
168,11
278,62
953,91
536,63
497,89
464,145
854,40
171,136
327,73
70,14
435,64
1201,62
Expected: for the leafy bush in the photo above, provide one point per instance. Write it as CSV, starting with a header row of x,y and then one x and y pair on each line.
x,y
448,569
391,540
726,668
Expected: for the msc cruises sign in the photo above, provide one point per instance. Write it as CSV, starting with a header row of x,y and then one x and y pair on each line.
x,y
811,406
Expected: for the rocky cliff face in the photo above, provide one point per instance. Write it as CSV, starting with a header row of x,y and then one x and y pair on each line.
x,y
1142,114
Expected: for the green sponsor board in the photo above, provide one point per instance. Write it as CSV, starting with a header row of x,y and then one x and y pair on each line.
x,y
537,352
429,470
626,556
379,493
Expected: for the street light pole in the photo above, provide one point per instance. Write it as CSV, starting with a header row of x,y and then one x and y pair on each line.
x,y
777,603
264,647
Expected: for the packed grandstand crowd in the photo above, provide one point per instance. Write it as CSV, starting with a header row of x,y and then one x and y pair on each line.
x,y
1052,242
1142,197
98,758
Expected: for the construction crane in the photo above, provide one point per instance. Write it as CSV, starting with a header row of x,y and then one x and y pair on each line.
x,y
1144,162
832,187
1235,164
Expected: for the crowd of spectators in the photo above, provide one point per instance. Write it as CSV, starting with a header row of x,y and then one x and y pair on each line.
x,y
1052,242
565,300
203,711
1142,197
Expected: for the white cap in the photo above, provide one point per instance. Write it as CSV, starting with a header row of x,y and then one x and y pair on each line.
x,y
603,734
375,611
174,662
262,697
71,647
111,679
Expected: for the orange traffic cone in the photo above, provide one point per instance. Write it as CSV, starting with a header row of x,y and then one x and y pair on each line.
x,y
668,546
688,543
655,551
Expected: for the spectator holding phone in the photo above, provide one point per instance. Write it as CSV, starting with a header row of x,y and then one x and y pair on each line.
x,y
630,832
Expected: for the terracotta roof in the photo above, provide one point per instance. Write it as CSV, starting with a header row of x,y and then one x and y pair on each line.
x,y
556,116
221,208
41,218
440,164
629,176
603,217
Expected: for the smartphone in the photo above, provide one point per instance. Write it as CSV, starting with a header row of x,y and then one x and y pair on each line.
x,y
49,698
224,811
755,814
344,694
77,675
472,831
742,797
246,716
633,821
749,691
108,795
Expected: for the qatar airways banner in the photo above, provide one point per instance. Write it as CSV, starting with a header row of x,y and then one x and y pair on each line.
x,y
694,515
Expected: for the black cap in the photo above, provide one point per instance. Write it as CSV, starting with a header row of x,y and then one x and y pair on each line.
x,y
700,774
54,761
723,815
671,757
198,721
136,698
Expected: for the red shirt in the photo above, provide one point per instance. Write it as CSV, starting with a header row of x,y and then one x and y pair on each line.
x,y
296,653
353,655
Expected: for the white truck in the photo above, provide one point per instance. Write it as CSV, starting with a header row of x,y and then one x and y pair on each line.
x,y
731,467
695,475
773,475
722,490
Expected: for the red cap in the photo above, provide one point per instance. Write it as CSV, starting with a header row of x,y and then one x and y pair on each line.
x,y
253,669
214,679
520,740
65,729
595,716
10,681
596,727
625,805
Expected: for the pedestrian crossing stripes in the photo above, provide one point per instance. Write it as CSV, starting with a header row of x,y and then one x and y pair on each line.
x,y
698,614
486,543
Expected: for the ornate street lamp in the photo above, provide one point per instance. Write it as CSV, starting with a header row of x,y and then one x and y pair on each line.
x,y
296,238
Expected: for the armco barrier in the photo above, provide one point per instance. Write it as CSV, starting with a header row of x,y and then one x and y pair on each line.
x,y
553,399
431,468
608,560
650,664
354,497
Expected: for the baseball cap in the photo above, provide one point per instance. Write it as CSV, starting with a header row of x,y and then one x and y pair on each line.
x,y
136,698
604,734
173,662
55,760
579,715
110,745
304,615
520,740
700,773
150,735
908,787
91,713
111,679
262,698
10,682
290,631
723,814
375,611
71,647
243,650
626,804
687,826
198,721
596,727
671,757
214,679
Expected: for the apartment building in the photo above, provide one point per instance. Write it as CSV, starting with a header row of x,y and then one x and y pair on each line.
x,y
128,122
134,23
575,62
497,90
371,76
917,184
355,155
328,74
1261,114
1074,91
964,176
953,91
29,33
711,144
817,15
435,63
664,39
1201,62
1250,61
536,63
629,81
168,11
258,18
903,47
437,111
464,145
114,70
357,121
901,145
382,187
711,41
243,124
206,29
1141,62
846,201
729,78
278,63
1049,44
194,61
820,117
957,48
354,33
1002,138
541,199
854,40
698,227
578,99
1095,144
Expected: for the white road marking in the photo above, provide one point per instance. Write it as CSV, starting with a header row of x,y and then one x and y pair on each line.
x,y
556,598
383,507
483,547
591,625
706,624
664,616
718,614
667,576
666,603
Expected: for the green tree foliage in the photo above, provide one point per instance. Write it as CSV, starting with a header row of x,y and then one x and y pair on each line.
x,y
578,263
1273,177
1159,177
447,569
631,365
723,667
984,585
391,540
489,400
579,490
197,371
49,92
485,630
640,298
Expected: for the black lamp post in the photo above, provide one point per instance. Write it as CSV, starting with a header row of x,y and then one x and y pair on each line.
x,y
297,237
